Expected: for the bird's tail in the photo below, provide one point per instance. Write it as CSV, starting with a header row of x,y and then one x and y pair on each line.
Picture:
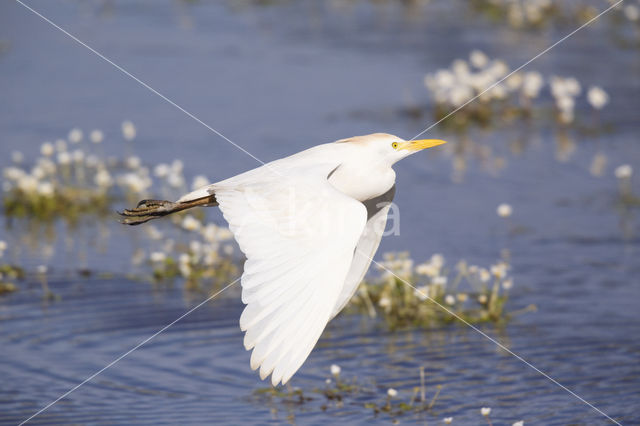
x,y
147,210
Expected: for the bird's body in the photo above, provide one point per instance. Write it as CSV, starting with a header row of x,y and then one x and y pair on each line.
x,y
309,225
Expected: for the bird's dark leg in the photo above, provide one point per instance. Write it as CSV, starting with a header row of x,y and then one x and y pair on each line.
x,y
153,209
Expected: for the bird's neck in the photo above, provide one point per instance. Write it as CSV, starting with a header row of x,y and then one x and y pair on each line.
x,y
363,183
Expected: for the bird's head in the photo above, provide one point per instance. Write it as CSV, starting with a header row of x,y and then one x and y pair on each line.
x,y
389,148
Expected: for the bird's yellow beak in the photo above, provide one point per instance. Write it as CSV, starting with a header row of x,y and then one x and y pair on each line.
x,y
421,144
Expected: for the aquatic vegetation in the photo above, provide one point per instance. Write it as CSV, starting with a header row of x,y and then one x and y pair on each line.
x,y
626,24
8,273
437,294
202,256
519,14
485,411
339,392
71,179
627,198
531,15
517,97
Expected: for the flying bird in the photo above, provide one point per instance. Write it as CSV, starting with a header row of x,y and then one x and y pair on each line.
x,y
309,225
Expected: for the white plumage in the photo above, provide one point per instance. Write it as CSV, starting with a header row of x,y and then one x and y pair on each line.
x,y
309,225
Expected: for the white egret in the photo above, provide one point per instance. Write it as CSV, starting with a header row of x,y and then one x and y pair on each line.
x,y
309,225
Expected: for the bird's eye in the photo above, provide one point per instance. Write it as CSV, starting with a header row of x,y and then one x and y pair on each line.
x,y
394,145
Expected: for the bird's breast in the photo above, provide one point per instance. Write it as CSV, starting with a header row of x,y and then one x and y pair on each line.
x,y
362,184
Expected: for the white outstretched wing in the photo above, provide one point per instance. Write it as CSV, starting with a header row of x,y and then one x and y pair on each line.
x,y
299,234
377,210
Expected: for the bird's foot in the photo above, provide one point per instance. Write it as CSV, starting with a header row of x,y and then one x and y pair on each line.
x,y
147,210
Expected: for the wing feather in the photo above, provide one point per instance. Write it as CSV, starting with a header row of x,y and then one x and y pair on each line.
x,y
377,210
299,234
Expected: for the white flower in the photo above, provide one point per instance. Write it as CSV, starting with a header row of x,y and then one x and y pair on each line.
x,y
518,423
3,245
37,172
460,68
437,260
515,81
96,136
507,284
485,411
28,184
210,232
175,180
45,189
484,275
478,59
447,420
133,162
335,370
161,170
632,12
459,95
532,84
572,86
498,69
482,299
17,157
440,280
128,130
77,155
565,103
185,269
103,178
13,173
42,269
422,292
190,223
75,135
384,302
177,166
199,181
64,158
195,247
184,258
47,149
427,269
624,171
450,300
224,234
499,270
504,210
157,257
597,97
134,182
392,392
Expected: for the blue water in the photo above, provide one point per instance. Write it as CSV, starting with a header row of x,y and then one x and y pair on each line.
x,y
276,79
